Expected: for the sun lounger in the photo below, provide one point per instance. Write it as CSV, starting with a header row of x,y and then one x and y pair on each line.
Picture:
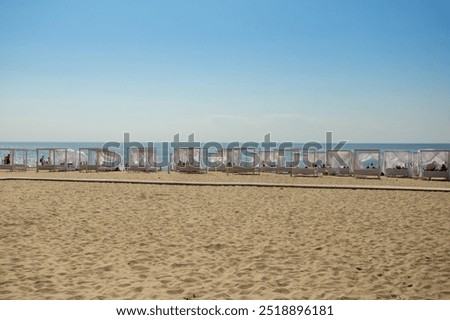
x,y
313,172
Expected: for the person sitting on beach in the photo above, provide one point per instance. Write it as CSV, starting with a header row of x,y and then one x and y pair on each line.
x,y
443,167
42,161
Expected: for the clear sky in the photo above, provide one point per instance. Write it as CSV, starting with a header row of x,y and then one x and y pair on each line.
x,y
370,71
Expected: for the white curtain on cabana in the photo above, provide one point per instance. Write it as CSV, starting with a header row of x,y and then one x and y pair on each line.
x,y
397,159
282,157
367,159
137,157
433,159
239,158
315,158
236,157
73,157
269,158
184,156
318,158
56,157
338,159
92,157
142,157
106,158
295,158
415,164
218,158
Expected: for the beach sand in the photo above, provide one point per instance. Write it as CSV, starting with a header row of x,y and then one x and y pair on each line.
x,y
66,240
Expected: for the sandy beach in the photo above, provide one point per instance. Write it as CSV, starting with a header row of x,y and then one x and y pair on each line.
x,y
67,240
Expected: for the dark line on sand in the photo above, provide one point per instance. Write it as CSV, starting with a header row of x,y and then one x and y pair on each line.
x,y
231,184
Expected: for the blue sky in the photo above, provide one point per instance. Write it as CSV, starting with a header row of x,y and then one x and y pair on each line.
x,y
370,71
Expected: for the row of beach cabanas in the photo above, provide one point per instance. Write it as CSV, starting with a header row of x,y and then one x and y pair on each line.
x,y
425,164
359,163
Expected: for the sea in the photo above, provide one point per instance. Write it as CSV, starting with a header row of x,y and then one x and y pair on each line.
x,y
32,146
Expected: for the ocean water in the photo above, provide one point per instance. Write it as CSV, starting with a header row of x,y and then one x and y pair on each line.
x,y
32,146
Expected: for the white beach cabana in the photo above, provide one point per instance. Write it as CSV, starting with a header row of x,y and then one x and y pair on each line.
x,y
143,160
305,163
367,163
243,160
98,159
217,160
12,159
189,160
339,162
58,159
397,163
434,164
269,160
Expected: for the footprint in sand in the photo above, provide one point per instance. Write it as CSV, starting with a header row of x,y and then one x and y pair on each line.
x,y
175,291
245,286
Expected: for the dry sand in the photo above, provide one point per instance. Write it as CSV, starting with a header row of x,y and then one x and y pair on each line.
x,y
63,240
